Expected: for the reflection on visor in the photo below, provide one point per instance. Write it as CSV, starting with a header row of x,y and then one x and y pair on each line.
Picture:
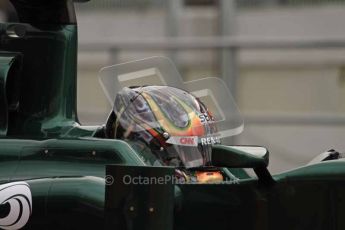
x,y
177,112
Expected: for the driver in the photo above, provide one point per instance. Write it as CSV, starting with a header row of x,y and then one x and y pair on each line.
x,y
168,127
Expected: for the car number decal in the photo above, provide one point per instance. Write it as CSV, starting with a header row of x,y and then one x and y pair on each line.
x,y
17,196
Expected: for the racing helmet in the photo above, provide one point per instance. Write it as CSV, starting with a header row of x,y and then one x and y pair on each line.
x,y
173,124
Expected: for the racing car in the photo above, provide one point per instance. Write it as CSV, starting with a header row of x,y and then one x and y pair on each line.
x,y
157,163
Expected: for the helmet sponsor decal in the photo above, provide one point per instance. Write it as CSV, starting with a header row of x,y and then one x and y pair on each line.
x,y
184,140
210,140
17,196
193,140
